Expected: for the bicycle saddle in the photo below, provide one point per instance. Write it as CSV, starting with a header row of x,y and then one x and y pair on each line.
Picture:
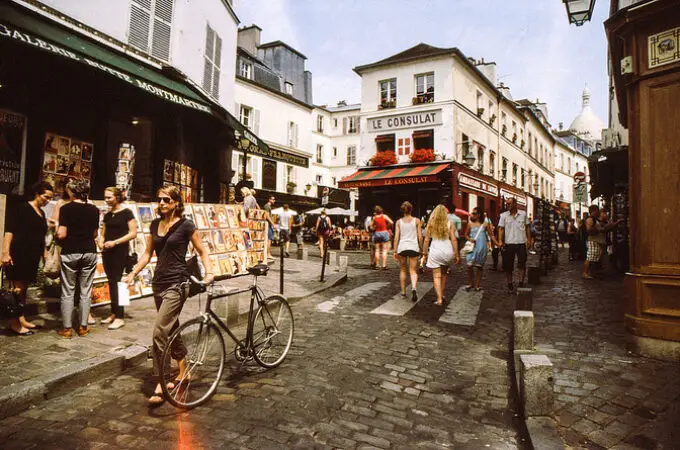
x,y
259,270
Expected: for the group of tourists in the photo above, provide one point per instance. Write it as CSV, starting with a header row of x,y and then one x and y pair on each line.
x,y
75,224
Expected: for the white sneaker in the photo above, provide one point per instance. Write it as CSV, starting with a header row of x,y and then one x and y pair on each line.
x,y
117,323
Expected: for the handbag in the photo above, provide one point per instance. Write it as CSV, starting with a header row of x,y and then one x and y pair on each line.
x,y
10,305
469,247
52,266
194,270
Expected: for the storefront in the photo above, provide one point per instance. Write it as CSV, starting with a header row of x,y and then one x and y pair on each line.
x,y
472,189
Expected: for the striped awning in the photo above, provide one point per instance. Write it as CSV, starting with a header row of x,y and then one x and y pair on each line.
x,y
423,173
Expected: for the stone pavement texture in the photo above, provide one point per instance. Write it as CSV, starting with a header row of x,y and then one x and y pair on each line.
x,y
605,396
353,379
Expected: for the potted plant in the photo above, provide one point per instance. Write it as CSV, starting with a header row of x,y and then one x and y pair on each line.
x,y
492,119
480,111
422,155
504,129
514,138
290,187
383,158
388,104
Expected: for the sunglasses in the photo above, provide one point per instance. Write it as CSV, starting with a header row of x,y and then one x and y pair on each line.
x,y
164,200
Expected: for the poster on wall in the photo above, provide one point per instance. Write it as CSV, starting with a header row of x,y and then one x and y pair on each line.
x,y
126,166
11,150
65,158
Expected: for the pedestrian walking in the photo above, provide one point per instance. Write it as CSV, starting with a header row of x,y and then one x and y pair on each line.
x,y
120,227
533,233
78,229
514,233
407,241
381,226
24,247
562,226
249,201
169,239
371,246
477,233
285,225
597,239
572,233
322,229
270,228
440,249
296,227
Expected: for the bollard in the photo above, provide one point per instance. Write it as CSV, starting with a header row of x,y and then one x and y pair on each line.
x,y
343,243
302,254
332,258
281,269
343,262
524,330
524,299
534,275
536,385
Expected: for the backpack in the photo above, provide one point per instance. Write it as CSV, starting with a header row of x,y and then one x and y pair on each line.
x,y
323,225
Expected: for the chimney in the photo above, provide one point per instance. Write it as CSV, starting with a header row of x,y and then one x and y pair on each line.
x,y
505,91
249,38
342,103
488,69
560,126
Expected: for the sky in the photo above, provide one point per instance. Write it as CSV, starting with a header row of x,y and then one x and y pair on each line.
x,y
538,54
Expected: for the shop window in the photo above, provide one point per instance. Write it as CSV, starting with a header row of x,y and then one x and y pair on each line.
x,y
246,70
424,88
403,146
351,155
319,153
423,139
319,123
150,27
388,93
384,142
212,62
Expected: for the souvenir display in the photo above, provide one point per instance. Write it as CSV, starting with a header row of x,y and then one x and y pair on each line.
x,y
126,165
64,159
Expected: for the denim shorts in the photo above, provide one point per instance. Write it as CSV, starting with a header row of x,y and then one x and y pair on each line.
x,y
381,236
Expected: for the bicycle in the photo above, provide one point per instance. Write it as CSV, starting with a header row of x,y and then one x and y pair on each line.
x,y
268,338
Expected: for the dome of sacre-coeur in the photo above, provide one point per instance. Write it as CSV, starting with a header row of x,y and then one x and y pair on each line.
x,y
587,125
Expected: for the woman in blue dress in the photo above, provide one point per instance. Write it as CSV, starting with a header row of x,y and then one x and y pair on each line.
x,y
480,237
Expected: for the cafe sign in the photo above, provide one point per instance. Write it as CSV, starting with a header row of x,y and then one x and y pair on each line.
x,y
470,182
388,181
521,199
409,120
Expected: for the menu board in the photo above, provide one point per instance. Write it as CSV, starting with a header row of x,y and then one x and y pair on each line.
x,y
65,158
233,241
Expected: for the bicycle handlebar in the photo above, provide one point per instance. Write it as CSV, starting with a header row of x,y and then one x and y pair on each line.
x,y
197,281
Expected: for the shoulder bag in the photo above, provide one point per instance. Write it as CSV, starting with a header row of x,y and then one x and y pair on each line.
x,y
469,247
10,305
52,266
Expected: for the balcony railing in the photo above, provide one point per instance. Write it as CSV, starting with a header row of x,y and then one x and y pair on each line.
x,y
387,104
423,98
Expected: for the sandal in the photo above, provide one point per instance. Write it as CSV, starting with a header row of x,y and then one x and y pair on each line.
x,y
156,400
468,288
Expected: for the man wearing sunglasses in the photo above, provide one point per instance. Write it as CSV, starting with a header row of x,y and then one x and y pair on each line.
x,y
513,234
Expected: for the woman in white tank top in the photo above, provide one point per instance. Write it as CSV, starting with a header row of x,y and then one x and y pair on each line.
x,y
407,239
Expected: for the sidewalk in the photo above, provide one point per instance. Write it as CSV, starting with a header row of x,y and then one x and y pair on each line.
x,y
605,397
45,365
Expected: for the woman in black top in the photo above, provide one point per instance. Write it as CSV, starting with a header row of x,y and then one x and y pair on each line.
x,y
24,245
120,227
169,238
78,228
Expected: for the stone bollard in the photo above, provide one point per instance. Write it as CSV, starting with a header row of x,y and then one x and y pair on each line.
x,y
534,275
343,243
302,253
536,385
332,258
524,330
524,299
343,261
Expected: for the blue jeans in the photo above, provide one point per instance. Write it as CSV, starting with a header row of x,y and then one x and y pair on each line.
x,y
77,268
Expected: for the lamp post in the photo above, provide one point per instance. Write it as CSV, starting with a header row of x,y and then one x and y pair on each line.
x,y
579,11
469,159
244,144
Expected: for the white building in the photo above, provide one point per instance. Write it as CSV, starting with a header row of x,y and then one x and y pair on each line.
x,y
569,162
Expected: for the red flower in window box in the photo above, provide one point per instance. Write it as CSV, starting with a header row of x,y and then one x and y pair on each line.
x,y
383,158
422,155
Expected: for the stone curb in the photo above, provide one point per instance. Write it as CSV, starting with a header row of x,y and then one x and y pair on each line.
x,y
21,396
542,430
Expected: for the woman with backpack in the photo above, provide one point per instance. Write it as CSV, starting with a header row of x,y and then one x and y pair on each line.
x,y
381,226
323,231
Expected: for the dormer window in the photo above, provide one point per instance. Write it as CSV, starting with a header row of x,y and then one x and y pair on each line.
x,y
246,70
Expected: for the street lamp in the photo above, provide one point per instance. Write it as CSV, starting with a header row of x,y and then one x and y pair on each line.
x,y
469,159
243,144
579,11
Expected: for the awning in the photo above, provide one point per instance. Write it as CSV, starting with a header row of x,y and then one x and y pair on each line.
x,y
25,28
413,174
253,144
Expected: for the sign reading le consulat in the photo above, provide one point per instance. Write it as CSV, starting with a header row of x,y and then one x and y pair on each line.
x,y
409,120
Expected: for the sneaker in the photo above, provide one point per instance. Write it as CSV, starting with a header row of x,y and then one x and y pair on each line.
x,y
117,323
66,333
414,296
91,320
287,255
83,331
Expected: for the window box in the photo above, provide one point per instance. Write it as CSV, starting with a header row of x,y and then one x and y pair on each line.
x,y
383,158
492,119
504,130
388,104
480,111
422,155
514,138
423,98
290,187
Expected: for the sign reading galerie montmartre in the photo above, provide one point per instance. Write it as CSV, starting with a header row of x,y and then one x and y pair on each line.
x,y
409,120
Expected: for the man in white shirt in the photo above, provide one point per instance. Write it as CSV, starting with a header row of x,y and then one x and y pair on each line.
x,y
285,225
514,233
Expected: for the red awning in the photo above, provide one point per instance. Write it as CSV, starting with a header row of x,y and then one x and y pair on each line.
x,y
385,138
422,173
422,134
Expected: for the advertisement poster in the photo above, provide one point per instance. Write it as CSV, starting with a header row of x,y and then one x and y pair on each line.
x,y
64,159
11,149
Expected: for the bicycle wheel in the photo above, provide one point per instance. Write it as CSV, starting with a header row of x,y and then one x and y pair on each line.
x,y
272,331
205,354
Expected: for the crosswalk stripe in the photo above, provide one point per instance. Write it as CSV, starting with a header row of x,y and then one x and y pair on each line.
x,y
463,308
350,297
398,305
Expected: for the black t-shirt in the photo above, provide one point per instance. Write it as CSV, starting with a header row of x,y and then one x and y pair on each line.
x,y
81,221
28,230
116,227
171,250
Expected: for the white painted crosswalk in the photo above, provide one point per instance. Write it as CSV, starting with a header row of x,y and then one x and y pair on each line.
x,y
463,309
350,297
398,305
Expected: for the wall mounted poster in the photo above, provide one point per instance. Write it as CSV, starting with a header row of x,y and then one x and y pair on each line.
x,y
65,158
11,150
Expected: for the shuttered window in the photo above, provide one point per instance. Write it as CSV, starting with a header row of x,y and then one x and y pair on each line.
x,y
212,63
151,27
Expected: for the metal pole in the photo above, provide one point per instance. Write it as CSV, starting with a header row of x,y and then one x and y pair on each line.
x,y
324,258
281,273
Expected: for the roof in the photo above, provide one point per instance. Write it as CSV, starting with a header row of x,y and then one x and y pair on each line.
x,y
280,44
417,52
334,109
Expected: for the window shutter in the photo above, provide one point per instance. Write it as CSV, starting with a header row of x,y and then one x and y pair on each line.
x,y
358,119
162,29
295,135
208,55
344,125
207,75
234,167
140,17
217,61
216,83
237,111
256,121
